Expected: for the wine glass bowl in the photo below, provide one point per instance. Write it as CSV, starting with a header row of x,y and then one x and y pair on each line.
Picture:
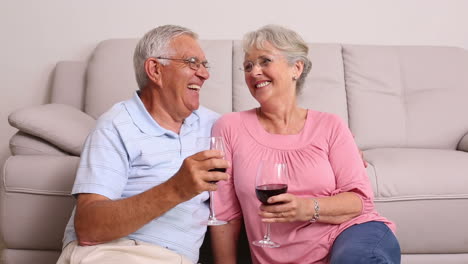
x,y
266,191
271,180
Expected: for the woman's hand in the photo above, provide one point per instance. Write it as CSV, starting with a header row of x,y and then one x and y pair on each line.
x,y
335,209
286,208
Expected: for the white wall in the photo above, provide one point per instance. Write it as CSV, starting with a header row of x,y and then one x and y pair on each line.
x,y
37,34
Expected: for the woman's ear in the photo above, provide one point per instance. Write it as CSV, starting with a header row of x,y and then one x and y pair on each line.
x,y
298,69
153,70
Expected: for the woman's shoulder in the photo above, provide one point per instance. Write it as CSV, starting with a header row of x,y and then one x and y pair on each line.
x,y
228,118
233,118
326,118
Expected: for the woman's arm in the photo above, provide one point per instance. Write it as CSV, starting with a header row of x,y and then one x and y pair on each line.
x,y
224,239
339,208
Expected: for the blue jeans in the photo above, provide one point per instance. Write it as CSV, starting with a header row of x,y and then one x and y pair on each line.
x,y
371,242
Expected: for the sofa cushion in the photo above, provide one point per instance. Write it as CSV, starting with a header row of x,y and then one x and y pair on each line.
x,y
111,77
407,96
419,189
435,258
25,144
323,89
418,174
62,125
428,226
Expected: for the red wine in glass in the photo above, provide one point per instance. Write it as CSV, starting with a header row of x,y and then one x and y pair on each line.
x,y
268,190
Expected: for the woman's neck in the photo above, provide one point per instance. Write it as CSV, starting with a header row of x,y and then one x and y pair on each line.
x,y
282,119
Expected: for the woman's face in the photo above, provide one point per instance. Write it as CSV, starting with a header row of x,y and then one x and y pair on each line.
x,y
268,74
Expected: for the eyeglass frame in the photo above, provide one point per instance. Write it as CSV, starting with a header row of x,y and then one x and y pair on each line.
x,y
194,63
267,60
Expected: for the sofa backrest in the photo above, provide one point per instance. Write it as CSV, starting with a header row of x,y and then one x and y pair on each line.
x,y
110,78
391,96
406,96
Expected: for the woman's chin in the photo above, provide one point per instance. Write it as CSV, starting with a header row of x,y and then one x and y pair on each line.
x,y
262,95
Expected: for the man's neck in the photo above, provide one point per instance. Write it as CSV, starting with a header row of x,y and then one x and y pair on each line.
x,y
161,112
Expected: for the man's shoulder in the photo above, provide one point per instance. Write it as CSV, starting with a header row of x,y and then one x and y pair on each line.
x,y
207,114
115,115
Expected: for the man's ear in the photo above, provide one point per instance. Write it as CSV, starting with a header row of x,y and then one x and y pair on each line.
x,y
153,70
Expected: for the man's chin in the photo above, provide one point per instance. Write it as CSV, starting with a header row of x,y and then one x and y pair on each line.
x,y
193,107
196,107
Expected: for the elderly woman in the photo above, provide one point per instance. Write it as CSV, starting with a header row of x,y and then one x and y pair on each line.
x,y
327,215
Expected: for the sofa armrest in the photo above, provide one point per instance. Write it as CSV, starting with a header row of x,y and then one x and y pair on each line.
x,y
463,144
63,126
36,202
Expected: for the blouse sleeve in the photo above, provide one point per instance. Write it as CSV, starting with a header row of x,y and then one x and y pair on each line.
x,y
226,204
347,165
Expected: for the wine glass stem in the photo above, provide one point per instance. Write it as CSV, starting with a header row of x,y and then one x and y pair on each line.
x,y
212,212
267,235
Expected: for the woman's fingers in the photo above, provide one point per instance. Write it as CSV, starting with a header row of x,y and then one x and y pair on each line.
x,y
287,208
282,198
278,217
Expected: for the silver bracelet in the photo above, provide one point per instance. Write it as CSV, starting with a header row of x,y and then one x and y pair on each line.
x,y
316,215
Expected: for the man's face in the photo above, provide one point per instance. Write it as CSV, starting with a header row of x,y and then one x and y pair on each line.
x,y
181,84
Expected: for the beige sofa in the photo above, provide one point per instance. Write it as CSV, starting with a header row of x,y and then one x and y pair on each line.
x,y
407,107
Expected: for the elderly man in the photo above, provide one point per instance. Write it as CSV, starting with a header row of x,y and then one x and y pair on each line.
x,y
140,187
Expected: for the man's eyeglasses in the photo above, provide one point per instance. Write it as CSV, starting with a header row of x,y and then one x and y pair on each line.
x,y
262,61
193,62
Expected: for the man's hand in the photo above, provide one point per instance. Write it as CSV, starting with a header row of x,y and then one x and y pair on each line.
x,y
193,176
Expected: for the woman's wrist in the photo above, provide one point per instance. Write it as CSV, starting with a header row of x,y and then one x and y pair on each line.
x,y
315,211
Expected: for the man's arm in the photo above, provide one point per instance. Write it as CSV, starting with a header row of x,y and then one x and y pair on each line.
x,y
99,219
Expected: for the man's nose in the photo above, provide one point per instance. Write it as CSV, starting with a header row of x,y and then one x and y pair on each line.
x,y
203,73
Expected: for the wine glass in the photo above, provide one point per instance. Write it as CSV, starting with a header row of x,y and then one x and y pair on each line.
x,y
205,143
271,180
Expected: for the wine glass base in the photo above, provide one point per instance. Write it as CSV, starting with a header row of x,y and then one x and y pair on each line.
x,y
214,222
266,244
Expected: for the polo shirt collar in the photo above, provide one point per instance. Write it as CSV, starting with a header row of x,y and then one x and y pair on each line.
x,y
145,122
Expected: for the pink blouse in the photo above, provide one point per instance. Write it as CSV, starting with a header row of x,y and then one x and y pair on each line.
x,y
323,160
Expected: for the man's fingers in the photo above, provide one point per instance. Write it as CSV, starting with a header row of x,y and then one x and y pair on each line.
x,y
214,163
207,154
215,176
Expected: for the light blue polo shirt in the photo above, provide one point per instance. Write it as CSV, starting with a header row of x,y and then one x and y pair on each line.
x,y
128,153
